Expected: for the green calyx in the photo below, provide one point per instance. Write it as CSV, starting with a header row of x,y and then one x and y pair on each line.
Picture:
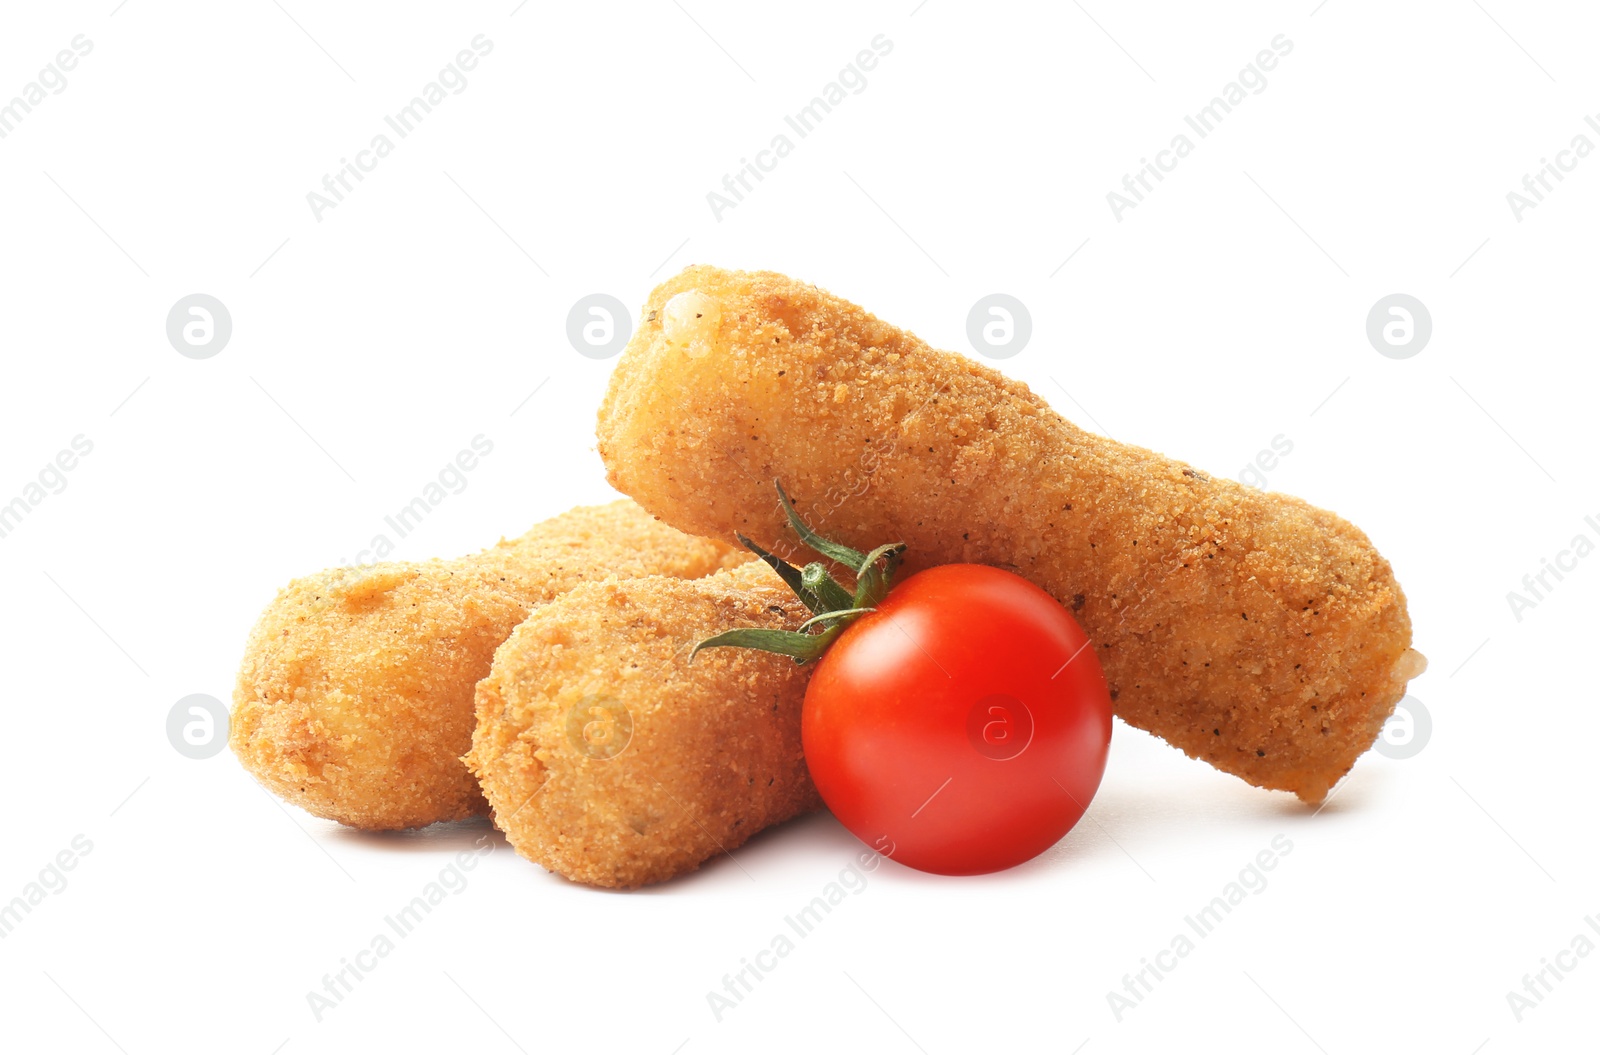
x,y
832,606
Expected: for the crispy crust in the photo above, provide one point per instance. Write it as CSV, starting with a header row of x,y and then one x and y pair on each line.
x,y
714,752
1252,630
354,700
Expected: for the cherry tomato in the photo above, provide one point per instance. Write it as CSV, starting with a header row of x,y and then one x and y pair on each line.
x,y
962,726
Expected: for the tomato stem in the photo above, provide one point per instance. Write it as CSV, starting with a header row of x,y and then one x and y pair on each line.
x,y
832,607
837,617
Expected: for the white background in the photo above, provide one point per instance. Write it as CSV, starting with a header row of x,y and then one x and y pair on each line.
x,y
371,345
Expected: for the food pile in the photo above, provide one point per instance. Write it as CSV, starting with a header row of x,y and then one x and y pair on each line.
x,y
632,689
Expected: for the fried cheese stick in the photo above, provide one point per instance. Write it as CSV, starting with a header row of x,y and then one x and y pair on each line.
x,y
354,700
1251,630
611,759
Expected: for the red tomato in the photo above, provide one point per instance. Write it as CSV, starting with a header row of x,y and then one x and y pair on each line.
x,y
961,727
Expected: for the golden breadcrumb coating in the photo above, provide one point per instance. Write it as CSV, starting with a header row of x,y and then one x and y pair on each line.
x,y
612,760
1250,629
354,701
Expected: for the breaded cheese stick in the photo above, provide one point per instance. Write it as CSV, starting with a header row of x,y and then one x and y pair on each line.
x,y
612,760
1252,630
354,700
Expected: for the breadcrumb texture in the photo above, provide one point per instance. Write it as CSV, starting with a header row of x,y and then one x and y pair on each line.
x,y
710,750
354,700
1250,629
